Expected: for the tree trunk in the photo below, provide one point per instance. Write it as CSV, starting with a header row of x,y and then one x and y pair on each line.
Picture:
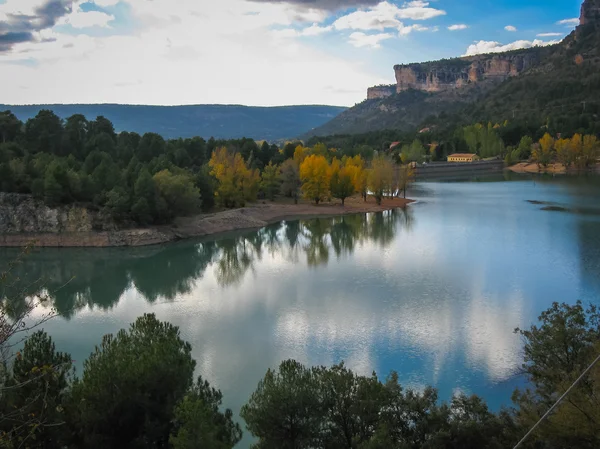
x,y
343,199
317,201
404,192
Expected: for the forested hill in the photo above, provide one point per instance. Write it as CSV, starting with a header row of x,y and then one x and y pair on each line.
x,y
219,121
558,84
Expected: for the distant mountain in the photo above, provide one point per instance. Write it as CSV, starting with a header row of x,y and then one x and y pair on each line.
x,y
219,121
559,82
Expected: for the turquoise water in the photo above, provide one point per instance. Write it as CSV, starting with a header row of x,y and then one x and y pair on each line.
x,y
433,292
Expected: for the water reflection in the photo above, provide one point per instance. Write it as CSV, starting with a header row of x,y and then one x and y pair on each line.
x,y
435,298
166,272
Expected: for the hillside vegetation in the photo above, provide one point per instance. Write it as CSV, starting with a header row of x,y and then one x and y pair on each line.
x,y
562,89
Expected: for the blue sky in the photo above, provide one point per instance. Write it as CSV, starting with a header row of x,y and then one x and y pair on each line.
x,y
261,52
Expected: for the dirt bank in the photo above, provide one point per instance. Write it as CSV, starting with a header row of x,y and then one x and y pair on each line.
x,y
252,217
526,167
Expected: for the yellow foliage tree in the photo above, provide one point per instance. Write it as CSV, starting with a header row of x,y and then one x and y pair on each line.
x,y
237,183
381,177
300,153
589,151
356,168
564,153
320,149
542,154
341,184
576,147
315,175
407,176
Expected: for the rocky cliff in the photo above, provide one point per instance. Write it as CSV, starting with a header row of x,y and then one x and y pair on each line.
x,y
381,91
24,220
590,12
532,85
456,73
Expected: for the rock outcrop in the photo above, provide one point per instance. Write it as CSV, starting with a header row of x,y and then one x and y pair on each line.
x,y
25,220
444,75
590,12
456,73
381,91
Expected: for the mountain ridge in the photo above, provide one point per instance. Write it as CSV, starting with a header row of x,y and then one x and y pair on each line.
x,y
491,87
206,120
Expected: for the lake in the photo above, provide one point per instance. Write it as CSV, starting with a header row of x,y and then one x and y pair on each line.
x,y
433,292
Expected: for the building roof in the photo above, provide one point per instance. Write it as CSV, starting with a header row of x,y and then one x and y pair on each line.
x,y
462,155
394,144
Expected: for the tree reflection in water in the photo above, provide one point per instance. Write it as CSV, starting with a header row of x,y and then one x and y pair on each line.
x,y
80,278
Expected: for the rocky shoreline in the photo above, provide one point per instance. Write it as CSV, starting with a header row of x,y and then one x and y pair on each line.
x,y
25,221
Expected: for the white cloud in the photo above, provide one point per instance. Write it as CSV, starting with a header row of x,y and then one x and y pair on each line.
x,y
482,47
406,30
21,7
457,27
549,34
419,11
162,62
315,30
510,28
386,15
79,19
568,22
106,3
360,39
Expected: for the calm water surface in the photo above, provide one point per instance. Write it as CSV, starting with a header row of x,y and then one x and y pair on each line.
x,y
433,292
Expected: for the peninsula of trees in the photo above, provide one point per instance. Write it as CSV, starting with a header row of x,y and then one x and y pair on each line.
x,y
140,180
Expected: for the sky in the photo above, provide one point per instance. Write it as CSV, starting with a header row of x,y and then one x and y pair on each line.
x,y
251,52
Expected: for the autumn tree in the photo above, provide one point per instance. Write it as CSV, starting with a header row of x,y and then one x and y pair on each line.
x,y
236,182
406,177
380,177
320,149
564,154
576,147
270,181
315,176
589,151
341,185
301,153
543,153
356,167
290,179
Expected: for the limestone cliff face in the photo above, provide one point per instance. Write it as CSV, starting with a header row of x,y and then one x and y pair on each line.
x,y
590,12
24,220
456,73
381,91
23,214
